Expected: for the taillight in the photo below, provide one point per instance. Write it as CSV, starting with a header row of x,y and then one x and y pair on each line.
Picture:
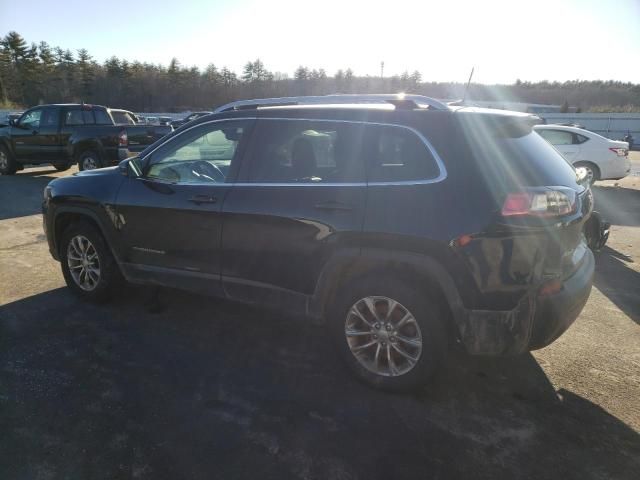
x,y
548,202
123,139
619,151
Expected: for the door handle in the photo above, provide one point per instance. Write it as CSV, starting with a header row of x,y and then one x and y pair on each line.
x,y
198,199
333,205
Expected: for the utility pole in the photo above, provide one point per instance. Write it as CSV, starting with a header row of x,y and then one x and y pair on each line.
x,y
382,69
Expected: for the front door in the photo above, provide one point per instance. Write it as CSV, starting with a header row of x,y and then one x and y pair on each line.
x,y
25,136
170,217
299,200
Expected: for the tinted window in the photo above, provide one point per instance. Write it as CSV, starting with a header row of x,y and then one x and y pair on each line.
x,y
510,163
203,155
50,117
87,117
74,117
556,137
102,117
580,138
302,151
398,154
31,119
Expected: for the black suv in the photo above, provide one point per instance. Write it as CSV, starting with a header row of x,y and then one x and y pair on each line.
x,y
404,224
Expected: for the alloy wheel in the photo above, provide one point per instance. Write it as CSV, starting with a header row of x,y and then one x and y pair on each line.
x,y
89,163
383,335
83,262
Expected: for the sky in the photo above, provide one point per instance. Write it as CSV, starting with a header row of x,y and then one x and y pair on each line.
x,y
504,40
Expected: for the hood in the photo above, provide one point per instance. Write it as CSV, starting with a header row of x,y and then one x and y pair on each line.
x,y
98,171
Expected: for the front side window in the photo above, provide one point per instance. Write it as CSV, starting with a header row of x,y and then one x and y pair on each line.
x,y
50,117
202,155
556,137
306,151
396,154
31,119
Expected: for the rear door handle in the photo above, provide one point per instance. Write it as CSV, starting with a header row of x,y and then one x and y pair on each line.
x,y
198,199
333,205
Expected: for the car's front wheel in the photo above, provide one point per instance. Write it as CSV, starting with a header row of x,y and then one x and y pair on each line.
x,y
391,335
88,266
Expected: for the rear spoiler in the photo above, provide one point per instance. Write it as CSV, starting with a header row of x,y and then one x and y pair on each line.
x,y
498,122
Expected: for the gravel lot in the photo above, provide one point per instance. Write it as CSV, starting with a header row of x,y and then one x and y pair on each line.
x,y
208,389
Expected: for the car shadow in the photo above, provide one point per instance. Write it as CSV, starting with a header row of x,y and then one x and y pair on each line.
x,y
618,282
21,194
618,205
199,388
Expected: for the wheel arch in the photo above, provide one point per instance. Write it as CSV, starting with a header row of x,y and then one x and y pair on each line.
x,y
68,215
418,268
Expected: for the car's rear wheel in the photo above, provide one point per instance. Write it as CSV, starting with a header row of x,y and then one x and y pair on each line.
x,y
89,160
7,163
593,172
388,333
88,266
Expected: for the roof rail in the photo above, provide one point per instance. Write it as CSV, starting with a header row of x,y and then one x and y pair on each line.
x,y
400,100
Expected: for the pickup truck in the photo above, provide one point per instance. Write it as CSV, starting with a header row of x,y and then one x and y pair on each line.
x,y
65,134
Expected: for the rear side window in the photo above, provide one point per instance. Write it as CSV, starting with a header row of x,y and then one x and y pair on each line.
x,y
396,154
580,138
102,117
514,162
303,151
557,137
79,116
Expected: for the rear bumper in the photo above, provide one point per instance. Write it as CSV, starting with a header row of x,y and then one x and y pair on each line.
x,y
534,323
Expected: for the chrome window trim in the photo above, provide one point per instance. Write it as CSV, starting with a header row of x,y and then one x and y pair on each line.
x,y
442,175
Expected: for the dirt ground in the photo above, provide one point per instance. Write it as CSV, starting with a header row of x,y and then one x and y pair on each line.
x,y
208,389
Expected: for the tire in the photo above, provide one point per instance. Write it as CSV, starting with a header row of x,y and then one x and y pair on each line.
x,y
89,160
8,164
96,288
430,332
62,167
593,171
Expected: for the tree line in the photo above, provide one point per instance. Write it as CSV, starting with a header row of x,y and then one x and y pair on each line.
x,y
32,74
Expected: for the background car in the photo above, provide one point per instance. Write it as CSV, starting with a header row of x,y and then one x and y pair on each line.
x,y
189,118
603,159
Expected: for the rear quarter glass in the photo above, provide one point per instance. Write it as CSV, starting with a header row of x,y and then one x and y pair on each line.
x,y
511,163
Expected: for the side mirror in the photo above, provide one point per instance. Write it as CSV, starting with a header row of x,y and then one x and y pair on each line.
x,y
12,122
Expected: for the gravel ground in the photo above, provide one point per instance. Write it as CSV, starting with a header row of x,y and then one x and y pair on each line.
x,y
209,389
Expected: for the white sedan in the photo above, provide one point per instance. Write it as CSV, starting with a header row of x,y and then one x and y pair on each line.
x,y
603,159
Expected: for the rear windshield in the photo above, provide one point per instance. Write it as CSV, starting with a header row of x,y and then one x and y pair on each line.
x,y
521,161
122,118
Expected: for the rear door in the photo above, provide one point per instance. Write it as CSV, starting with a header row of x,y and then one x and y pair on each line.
x,y
300,200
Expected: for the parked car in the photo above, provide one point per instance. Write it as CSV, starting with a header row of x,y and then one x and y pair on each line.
x,y
188,118
393,224
603,159
141,119
89,135
164,120
153,121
